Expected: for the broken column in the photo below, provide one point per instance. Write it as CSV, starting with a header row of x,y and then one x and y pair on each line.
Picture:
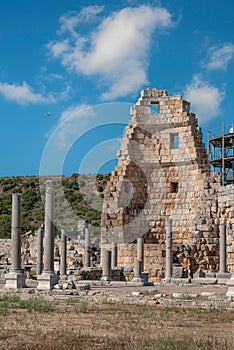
x,y
63,254
140,251
106,265
87,245
114,253
40,250
48,278
15,278
168,273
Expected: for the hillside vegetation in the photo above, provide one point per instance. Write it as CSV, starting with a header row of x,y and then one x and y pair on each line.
x,y
77,197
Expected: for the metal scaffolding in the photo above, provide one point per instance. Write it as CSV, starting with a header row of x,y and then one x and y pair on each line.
x,y
221,153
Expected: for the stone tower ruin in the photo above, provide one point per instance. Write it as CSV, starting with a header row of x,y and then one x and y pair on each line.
x,y
163,172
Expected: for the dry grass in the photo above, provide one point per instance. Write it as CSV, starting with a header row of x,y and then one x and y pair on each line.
x,y
86,325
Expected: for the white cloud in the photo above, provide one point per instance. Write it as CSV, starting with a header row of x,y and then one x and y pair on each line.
x,y
59,48
70,21
23,94
117,51
218,57
205,99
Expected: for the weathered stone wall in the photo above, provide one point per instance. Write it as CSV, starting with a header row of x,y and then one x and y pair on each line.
x,y
75,251
155,179
216,207
226,215
163,172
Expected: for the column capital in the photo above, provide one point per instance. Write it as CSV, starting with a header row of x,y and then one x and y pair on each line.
x,y
49,186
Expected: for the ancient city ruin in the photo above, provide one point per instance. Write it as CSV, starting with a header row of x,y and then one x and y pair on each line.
x,y
166,216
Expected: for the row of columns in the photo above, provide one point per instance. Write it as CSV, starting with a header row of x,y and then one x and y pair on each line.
x,y
45,271
169,249
46,275
109,260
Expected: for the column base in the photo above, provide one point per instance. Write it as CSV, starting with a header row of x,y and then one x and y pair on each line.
x,y
138,279
224,275
106,278
230,285
15,280
167,279
46,281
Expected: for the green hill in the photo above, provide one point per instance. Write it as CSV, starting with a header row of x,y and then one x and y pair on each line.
x,y
77,197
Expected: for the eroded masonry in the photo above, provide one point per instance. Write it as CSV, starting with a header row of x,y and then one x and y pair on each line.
x,y
163,172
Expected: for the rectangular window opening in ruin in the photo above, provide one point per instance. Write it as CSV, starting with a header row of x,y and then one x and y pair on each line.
x,y
174,187
174,141
154,107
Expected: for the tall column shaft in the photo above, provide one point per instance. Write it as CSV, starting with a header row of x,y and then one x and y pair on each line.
x,y
222,248
40,250
49,228
114,254
16,233
63,255
168,273
87,246
140,251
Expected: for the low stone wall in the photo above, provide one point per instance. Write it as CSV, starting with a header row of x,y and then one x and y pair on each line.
x,y
154,262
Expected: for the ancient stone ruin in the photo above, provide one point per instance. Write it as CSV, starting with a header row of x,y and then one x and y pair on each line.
x,y
166,216
163,173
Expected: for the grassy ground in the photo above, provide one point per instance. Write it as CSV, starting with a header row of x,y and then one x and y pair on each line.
x,y
49,325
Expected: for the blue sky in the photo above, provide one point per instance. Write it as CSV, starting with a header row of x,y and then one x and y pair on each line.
x,y
85,62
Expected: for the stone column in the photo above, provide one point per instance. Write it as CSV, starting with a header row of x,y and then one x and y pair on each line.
x,y
222,253
40,250
140,251
114,254
222,248
137,271
168,273
48,278
16,233
49,228
87,245
63,254
106,265
16,277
